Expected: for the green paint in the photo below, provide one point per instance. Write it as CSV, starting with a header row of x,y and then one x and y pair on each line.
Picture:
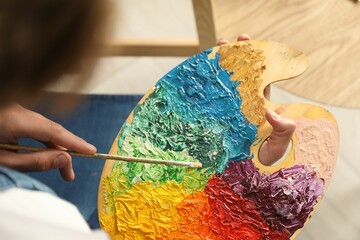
x,y
140,172
192,115
155,122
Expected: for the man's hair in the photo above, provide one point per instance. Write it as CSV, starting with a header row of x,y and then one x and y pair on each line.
x,y
40,40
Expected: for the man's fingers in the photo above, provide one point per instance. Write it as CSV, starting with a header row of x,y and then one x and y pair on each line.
x,y
39,161
36,126
276,145
222,41
51,132
54,146
243,37
282,127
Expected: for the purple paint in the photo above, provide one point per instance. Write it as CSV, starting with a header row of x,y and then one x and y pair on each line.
x,y
285,198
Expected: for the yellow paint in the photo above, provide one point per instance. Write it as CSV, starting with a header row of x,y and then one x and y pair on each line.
x,y
143,211
247,65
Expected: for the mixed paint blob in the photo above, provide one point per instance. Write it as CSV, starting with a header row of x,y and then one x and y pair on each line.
x,y
197,113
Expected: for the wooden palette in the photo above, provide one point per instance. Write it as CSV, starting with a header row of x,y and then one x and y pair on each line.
x,y
211,108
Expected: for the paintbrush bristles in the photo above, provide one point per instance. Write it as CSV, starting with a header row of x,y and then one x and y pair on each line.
x,y
108,156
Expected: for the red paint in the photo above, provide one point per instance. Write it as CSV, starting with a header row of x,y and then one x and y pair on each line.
x,y
219,214
233,217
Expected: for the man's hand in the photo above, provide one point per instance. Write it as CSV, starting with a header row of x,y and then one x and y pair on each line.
x,y
17,122
283,128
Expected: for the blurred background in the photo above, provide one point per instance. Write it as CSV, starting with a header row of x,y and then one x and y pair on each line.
x,y
328,32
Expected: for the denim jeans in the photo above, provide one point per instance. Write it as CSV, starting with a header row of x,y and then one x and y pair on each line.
x,y
97,119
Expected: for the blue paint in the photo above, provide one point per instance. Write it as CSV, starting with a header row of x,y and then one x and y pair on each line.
x,y
195,108
200,90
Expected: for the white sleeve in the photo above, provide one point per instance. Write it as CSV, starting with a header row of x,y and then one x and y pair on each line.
x,y
26,214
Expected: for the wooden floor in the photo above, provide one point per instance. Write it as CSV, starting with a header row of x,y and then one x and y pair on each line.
x,y
337,217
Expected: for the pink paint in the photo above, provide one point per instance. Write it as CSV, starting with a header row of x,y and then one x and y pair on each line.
x,y
317,146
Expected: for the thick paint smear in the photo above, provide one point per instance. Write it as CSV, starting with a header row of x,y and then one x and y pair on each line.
x,y
247,66
194,212
203,110
317,145
285,198
194,107
165,130
233,217
145,210
200,90
158,173
219,213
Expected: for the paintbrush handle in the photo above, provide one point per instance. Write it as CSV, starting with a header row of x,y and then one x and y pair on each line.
x,y
107,156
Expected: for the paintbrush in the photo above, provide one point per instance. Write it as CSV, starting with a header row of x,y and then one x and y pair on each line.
x,y
106,156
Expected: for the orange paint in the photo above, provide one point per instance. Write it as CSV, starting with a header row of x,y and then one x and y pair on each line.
x,y
194,212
